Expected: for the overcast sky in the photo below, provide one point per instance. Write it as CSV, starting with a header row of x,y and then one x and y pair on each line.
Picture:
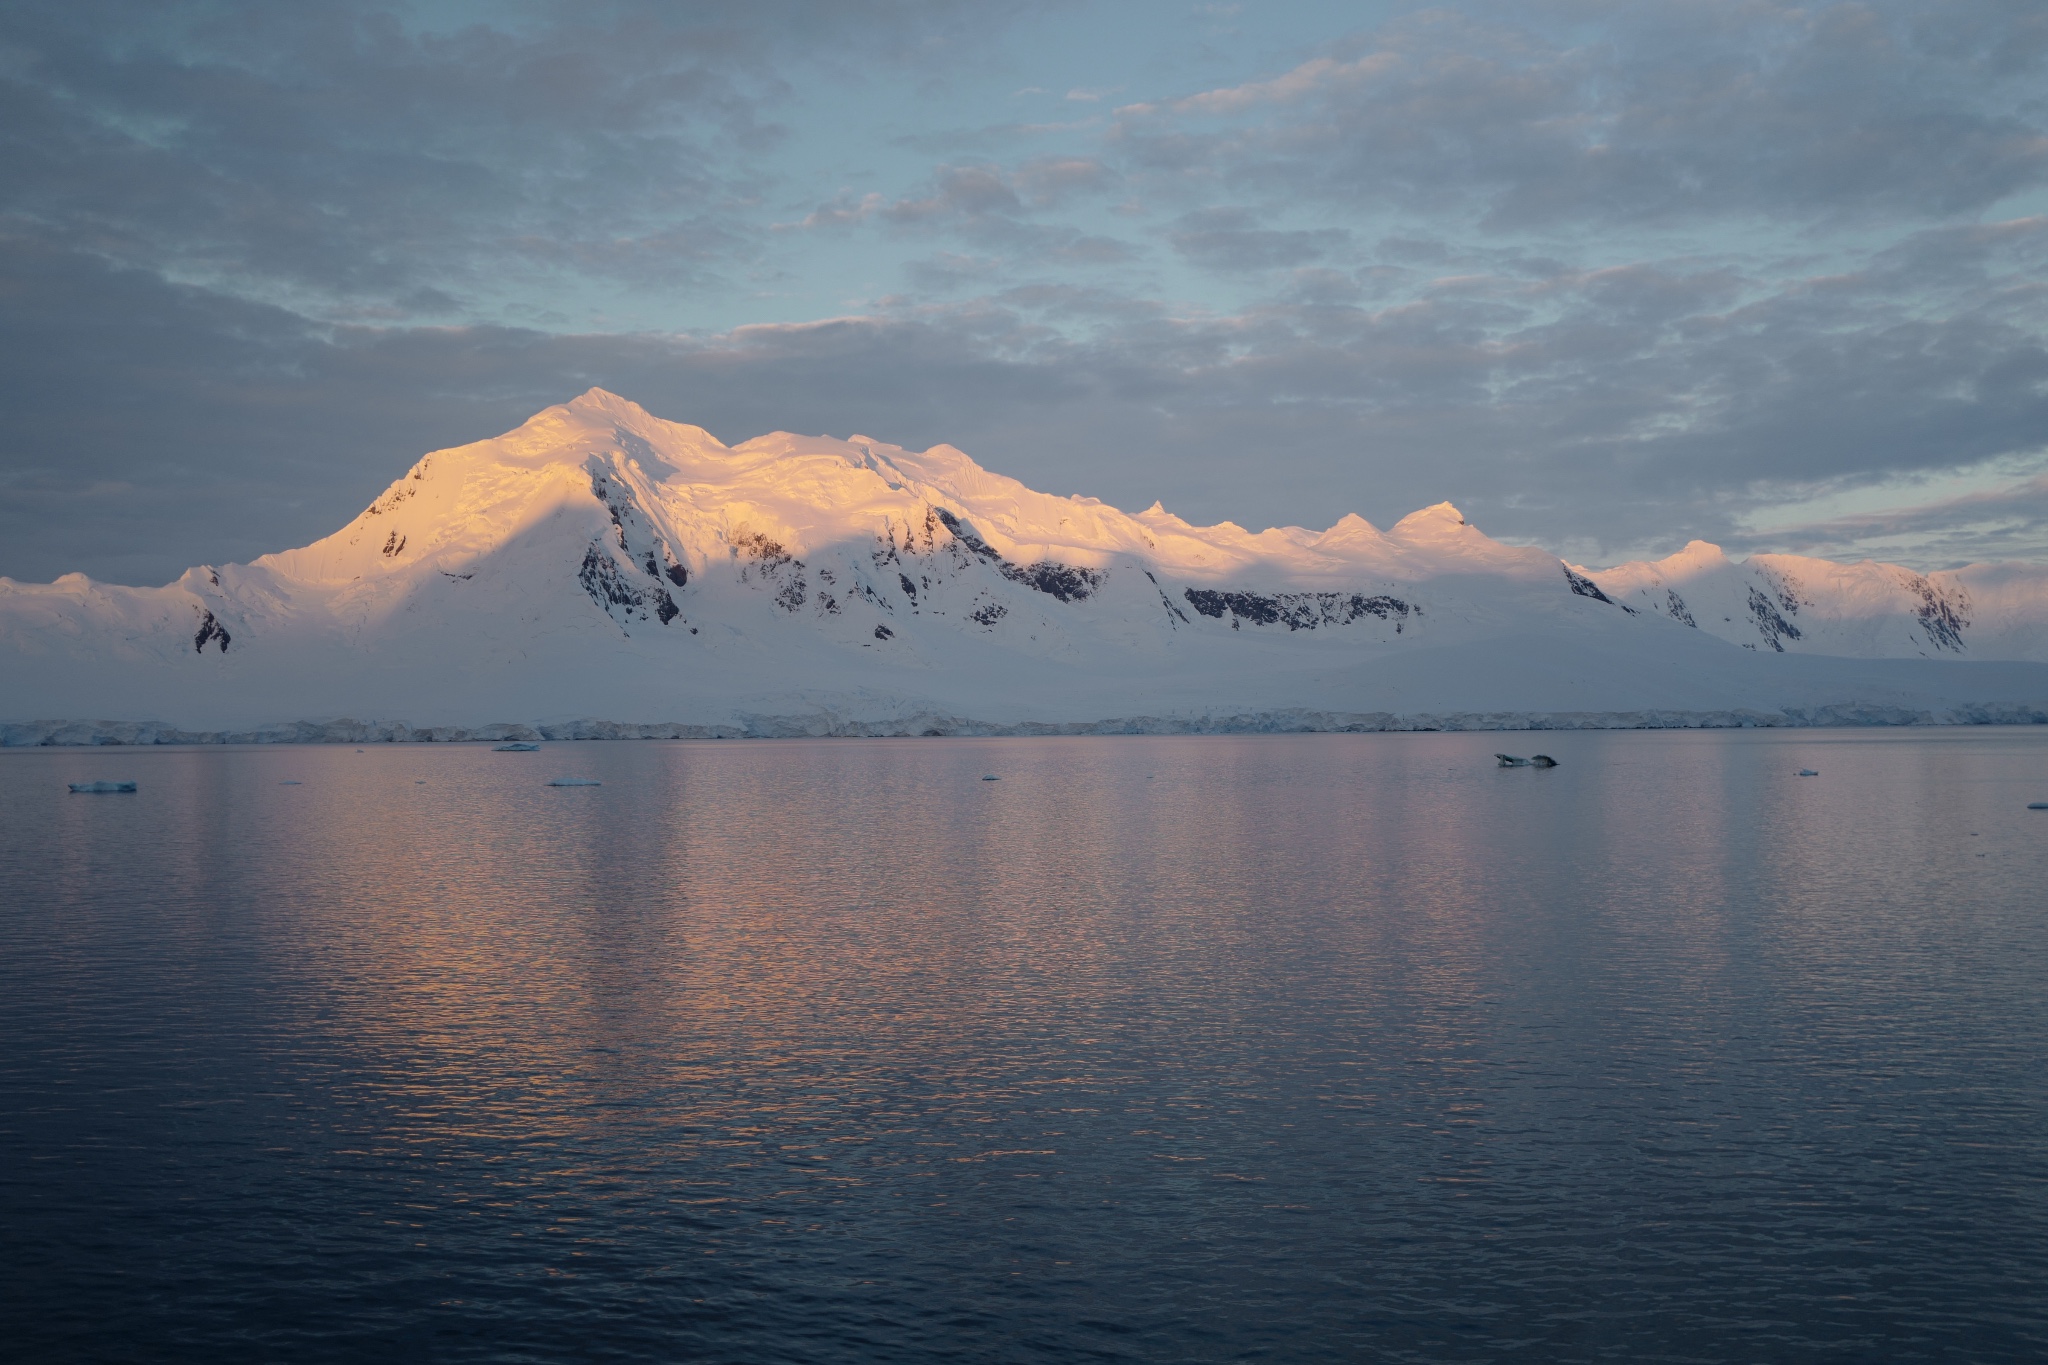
x,y
1608,276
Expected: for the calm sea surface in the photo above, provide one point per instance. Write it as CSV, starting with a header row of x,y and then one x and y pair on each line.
x,y
1296,1048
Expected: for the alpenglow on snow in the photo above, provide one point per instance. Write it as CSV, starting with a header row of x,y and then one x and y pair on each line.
x,y
600,571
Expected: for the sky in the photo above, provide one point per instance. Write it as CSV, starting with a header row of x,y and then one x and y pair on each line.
x,y
1608,276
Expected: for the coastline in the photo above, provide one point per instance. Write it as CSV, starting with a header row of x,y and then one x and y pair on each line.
x,y
827,725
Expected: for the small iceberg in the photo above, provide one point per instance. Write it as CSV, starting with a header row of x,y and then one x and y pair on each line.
x,y
1542,761
517,747
2031,805
291,782
990,777
575,782
1510,761
1809,772
98,787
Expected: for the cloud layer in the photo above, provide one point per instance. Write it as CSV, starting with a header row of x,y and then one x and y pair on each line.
x,y
1608,278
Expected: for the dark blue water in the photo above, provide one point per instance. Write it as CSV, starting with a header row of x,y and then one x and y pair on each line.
x,y
1305,1048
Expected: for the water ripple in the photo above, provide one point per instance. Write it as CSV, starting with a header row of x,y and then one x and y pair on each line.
x,y
1302,1048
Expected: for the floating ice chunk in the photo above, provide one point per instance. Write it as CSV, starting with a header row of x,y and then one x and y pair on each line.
x,y
517,748
1542,761
2031,805
1510,761
291,782
990,777
1809,772
575,782
96,787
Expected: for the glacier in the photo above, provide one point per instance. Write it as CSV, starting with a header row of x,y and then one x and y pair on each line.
x,y
603,573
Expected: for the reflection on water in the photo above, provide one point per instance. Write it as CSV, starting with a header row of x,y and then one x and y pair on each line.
x,y
1299,1048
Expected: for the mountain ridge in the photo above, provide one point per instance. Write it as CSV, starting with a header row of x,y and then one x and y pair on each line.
x,y
598,561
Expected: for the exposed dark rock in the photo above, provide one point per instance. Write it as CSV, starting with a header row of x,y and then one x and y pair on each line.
x,y
1942,615
210,629
609,586
1167,602
967,535
1067,582
1774,628
388,502
393,545
1675,608
988,613
884,633
1586,587
635,537
754,545
601,578
759,554
1295,610
1788,601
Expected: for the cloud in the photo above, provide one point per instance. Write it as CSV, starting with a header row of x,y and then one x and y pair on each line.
x,y
1617,409
1685,112
1049,181
1995,524
992,207
1228,239
978,193
354,154
1608,276
962,192
842,211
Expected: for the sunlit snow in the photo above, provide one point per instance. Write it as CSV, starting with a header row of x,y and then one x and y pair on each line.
x,y
602,571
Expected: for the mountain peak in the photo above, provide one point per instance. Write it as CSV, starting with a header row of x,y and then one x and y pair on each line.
x,y
595,397
602,561
1439,519
602,405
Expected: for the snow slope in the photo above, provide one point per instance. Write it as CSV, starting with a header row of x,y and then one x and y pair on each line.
x,y
1789,603
601,571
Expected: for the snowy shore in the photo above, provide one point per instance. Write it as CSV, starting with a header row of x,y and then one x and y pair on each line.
x,y
28,734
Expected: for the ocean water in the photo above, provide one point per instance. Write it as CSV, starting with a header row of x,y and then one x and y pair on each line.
x,y
1275,1048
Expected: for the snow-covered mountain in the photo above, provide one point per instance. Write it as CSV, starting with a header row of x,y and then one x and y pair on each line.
x,y
1866,611
600,570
